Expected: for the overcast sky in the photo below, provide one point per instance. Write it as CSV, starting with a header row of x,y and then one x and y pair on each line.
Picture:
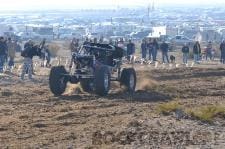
x,y
63,4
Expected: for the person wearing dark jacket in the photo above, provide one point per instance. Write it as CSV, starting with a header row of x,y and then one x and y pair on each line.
x,y
155,49
143,49
209,49
197,51
185,51
150,49
74,46
222,50
130,51
3,53
164,48
28,53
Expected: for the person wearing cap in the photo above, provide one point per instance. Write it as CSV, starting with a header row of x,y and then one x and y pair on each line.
x,y
3,53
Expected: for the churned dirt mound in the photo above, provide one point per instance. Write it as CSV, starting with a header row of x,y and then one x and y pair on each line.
x,y
31,117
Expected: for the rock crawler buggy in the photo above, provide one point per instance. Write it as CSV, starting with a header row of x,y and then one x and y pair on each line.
x,y
96,65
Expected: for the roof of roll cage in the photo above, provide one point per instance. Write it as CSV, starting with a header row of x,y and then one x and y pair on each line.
x,y
99,46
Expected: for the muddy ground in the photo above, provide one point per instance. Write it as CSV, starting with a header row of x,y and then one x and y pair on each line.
x,y
31,117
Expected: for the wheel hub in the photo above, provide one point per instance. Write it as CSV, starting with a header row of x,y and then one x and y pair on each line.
x,y
132,81
106,81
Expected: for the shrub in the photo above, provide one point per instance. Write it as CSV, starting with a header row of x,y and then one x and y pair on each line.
x,y
207,113
167,108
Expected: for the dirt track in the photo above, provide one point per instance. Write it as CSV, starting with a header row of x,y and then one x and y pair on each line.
x,y
30,116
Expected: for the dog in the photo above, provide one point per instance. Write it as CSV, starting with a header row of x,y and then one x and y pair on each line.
x,y
172,59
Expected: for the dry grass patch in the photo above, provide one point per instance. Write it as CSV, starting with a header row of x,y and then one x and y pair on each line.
x,y
207,113
167,108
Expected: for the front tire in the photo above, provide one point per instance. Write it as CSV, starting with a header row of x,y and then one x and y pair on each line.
x,y
128,79
102,81
57,80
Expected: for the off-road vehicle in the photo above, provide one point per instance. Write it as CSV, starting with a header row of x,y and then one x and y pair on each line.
x,y
95,66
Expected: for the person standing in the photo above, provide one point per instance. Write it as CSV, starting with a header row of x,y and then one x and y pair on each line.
x,y
101,40
3,53
28,53
74,45
111,42
95,40
120,43
213,54
222,50
150,50
164,48
143,49
11,53
185,51
42,44
130,51
155,49
86,41
209,51
18,46
28,44
196,51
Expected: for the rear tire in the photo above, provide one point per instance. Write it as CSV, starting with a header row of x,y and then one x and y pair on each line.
x,y
102,81
57,81
128,79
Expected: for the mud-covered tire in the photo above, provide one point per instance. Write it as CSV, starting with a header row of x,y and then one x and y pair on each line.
x,y
128,79
57,82
102,81
86,85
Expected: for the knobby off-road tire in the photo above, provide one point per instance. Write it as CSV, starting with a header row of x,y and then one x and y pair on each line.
x,y
57,81
102,81
128,79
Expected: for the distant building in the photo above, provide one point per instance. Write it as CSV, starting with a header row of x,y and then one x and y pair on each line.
x,y
157,32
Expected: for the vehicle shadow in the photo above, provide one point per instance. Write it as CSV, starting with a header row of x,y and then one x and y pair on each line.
x,y
77,97
140,96
137,96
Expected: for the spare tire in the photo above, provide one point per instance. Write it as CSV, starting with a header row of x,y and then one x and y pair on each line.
x,y
128,79
102,81
57,80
